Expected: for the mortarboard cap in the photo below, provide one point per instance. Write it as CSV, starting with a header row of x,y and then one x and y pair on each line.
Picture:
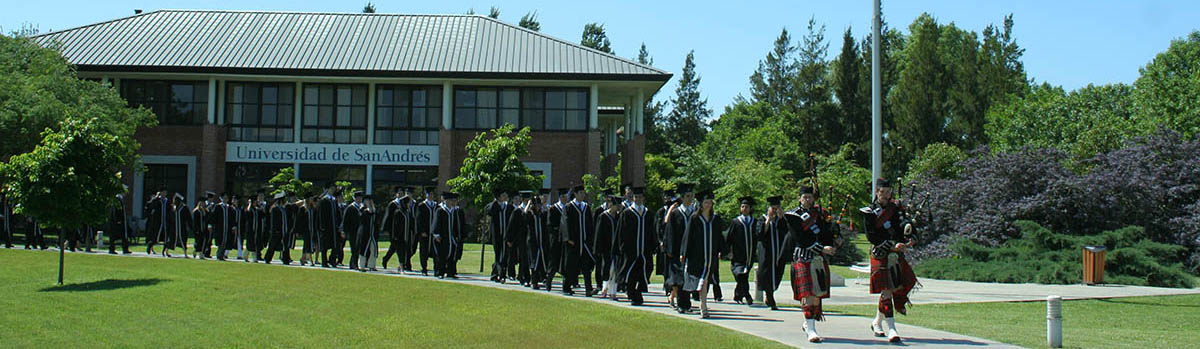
x,y
775,200
746,200
806,190
705,195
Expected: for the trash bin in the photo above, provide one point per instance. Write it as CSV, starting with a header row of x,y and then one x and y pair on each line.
x,y
1093,264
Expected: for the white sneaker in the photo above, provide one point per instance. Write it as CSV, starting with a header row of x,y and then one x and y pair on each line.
x,y
892,335
810,327
877,325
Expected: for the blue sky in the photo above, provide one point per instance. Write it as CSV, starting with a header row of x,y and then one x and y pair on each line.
x,y
1068,43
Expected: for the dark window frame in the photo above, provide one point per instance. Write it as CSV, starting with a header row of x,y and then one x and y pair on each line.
x,y
240,131
158,95
316,132
526,112
391,134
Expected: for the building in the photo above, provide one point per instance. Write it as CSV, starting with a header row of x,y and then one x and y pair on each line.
x,y
374,99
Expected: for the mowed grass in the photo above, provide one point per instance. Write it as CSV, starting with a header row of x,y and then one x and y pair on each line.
x,y
1134,322
111,301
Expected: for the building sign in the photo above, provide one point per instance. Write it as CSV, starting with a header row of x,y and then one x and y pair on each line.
x,y
336,154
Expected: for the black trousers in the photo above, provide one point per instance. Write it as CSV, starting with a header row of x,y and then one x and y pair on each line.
x,y
276,244
398,247
742,291
6,233
35,238
112,243
716,285
603,262
500,260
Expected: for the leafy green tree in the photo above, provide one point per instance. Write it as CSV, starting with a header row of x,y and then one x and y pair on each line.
x,y
685,124
69,179
1084,122
1001,72
921,90
854,106
750,177
494,13
530,21
1168,90
39,90
285,181
659,171
940,160
595,37
493,162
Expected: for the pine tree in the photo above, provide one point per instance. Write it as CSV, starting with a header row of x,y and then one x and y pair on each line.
x,y
772,81
854,107
685,124
369,8
652,115
529,21
494,13
595,37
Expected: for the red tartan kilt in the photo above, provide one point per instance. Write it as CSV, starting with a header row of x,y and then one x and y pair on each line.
x,y
879,276
802,282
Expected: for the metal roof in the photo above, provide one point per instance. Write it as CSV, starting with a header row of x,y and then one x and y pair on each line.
x,y
337,44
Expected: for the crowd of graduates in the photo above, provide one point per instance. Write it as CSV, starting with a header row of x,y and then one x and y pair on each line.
x,y
615,247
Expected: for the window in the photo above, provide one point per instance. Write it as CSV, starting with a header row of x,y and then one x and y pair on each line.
x,y
385,178
171,177
334,114
174,102
407,114
260,112
551,109
319,175
246,178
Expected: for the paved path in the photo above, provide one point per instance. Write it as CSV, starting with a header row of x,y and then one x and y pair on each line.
x,y
947,291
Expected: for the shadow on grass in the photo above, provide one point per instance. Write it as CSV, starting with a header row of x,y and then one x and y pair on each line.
x,y
103,285
1151,303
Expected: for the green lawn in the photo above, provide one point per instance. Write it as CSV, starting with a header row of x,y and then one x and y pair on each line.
x,y
1135,322
142,302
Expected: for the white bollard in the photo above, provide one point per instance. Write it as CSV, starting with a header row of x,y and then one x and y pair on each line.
x,y
1054,321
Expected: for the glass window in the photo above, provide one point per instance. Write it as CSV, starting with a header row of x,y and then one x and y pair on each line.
x,y
174,102
340,114
553,109
319,175
247,178
411,109
260,112
384,179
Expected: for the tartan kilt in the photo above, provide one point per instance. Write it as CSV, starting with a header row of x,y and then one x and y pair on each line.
x,y
880,276
802,282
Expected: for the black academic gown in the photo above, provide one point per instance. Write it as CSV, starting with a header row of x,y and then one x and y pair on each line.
x,y
156,210
770,253
554,218
741,239
661,232
328,221
702,246
579,226
424,243
537,240
603,244
447,232
180,225
637,245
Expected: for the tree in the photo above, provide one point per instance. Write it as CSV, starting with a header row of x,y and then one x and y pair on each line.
x,y
285,181
368,8
39,90
815,122
530,21
659,171
493,163
773,81
685,123
921,90
70,178
494,13
854,113
471,11
595,37
1084,122
1168,90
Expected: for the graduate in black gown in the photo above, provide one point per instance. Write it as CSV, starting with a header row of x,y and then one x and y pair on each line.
x,y
306,227
352,223
499,213
604,244
447,232
538,239
771,232
554,218
328,221
740,237
118,226
223,218
579,226
278,226
424,212
636,244
516,238
179,224
156,209
661,232
202,227
398,225
703,246
368,235
677,219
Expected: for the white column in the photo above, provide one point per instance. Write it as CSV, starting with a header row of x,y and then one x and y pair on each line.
x,y
876,104
212,101
297,117
370,122
370,168
447,106
593,104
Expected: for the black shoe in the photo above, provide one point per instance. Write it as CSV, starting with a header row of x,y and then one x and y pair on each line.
x,y
112,252
126,252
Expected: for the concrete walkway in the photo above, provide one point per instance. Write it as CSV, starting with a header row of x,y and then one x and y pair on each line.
x,y
785,325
